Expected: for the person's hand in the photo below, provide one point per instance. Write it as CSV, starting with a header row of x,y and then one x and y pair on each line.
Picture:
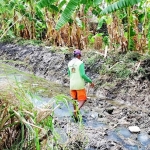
x,y
92,85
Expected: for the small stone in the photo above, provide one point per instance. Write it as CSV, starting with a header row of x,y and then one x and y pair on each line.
x,y
109,110
134,129
94,115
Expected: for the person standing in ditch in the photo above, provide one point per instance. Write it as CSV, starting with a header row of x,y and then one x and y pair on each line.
x,y
78,77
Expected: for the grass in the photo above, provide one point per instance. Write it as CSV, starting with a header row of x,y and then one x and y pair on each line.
x,y
120,66
19,118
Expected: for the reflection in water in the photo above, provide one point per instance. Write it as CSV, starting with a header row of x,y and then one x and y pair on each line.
x,y
63,110
62,136
124,132
38,101
94,124
131,147
113,136
144,139
90,148
15,78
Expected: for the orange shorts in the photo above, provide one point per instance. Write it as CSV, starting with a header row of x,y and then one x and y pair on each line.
x,y
79,95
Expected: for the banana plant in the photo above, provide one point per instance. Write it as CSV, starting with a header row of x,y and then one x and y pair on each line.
x,y
51,10
31,4
72,6
66,14
119,5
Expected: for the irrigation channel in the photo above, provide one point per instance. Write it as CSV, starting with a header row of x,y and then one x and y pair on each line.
x,y
43,92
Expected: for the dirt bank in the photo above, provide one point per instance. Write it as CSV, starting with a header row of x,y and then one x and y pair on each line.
x,y
121,97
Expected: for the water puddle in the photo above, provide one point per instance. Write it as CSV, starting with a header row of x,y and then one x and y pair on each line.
x,y
61,135
38,101
63,111
114,136
13,78
92,123
124,132
144,139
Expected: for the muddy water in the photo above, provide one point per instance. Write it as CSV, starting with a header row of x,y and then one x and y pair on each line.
x,y
42,92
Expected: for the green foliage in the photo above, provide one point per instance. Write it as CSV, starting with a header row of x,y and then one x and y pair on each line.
x,y
63,99
92,57
54,8
48,123
21,8
66,14
32,42
131,41
64,50
121,71
97,2
141,17
148,37
79,22
87,4
96,10
118,70
119,5
39,14
106,40
91,39
8,37
141,70
101,22
131,44
120,66
132,56
91,60
99,34
145,57
62,3
46,3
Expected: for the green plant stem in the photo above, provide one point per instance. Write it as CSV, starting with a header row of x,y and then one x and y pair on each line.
x,y
129,25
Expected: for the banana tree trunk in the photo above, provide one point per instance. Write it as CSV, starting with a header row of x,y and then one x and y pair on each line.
x,y
31,3
14,20
70,34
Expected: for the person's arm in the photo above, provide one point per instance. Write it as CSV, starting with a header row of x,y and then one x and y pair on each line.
x,y
83,75
68,72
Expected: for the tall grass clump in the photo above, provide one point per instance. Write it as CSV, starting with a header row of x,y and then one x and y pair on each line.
x,y
22,126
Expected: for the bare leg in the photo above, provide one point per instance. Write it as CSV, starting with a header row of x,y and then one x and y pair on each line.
x,y
81,103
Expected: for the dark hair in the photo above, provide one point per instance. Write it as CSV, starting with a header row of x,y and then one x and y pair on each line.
x,y
76,55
